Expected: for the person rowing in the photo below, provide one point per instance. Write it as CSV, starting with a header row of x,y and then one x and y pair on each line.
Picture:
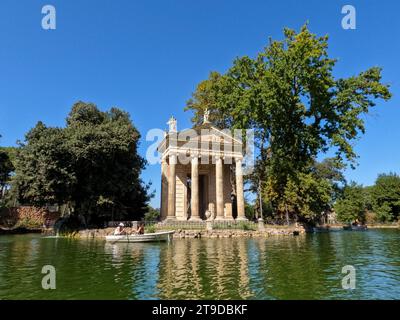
x,y
119,230
140,228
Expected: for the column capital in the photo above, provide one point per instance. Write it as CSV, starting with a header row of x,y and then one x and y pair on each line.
x,y
194,154
238,159
194,160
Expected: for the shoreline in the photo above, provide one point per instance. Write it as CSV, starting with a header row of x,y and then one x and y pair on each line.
x,y
180,233
19,230
268,231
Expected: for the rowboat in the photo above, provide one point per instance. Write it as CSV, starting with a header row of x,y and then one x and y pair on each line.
x,y
355,228
147,237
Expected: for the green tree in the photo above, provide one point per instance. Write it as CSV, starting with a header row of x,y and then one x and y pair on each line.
x,y
249,211
385,197
352,205
330,170
107,164
6,168
152,214
298,109
44,168
306,196
92,165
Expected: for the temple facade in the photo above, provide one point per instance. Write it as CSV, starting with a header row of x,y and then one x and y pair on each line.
x,y
201,174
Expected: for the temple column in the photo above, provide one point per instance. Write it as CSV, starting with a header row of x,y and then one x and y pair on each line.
x,y
219,188
164,189
195,190
171,187
239,191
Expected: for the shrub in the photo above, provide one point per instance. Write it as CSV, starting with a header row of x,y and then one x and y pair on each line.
x,y
150,228
370,217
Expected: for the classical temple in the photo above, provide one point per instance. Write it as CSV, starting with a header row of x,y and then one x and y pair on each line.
x,y
201,174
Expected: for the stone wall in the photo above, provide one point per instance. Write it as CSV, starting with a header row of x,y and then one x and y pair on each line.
x,y
238,233
180,233
27,216
96,233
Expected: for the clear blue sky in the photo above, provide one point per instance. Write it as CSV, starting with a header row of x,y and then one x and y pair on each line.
x,y
147,57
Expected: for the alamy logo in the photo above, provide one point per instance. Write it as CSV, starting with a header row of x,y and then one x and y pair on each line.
x,y
49,280
49,20
349,280
349,20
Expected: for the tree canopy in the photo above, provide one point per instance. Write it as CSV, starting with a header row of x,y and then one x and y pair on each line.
x,y
298,110
379,202
352,205
6,167
92,165
385,197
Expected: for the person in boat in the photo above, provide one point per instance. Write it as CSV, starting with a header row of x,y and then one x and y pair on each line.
x,y
119,230
140,228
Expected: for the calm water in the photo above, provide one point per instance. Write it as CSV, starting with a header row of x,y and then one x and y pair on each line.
x,y
306,267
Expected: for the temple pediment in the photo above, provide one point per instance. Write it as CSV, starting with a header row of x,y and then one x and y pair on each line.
x,y
205,139
210,133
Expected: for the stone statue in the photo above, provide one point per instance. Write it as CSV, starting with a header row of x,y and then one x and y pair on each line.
x,y
210,213
206,116
172,124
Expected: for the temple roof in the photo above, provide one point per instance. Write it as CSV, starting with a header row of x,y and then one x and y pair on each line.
x,y
201,138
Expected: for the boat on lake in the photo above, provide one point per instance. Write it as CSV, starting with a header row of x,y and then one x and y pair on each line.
x,y
147,237
355,228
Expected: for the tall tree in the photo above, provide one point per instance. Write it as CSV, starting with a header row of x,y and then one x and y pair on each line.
x,y
44,168
6,168
385,197
352,205
289,96
92,165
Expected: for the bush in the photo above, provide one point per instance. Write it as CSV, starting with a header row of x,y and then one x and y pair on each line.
x,y
242,225
371,217
150,228
245,226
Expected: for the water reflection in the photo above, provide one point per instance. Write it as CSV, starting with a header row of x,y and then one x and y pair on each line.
x,y
205,269
305,267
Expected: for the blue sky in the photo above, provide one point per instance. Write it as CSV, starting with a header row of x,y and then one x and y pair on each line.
x,y
147,56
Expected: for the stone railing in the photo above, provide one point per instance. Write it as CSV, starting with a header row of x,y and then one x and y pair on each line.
x,y
128,224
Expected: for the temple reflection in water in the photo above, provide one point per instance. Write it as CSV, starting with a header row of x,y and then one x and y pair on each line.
x,y
191,269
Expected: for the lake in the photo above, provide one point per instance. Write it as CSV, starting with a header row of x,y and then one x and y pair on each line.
x,y
303,267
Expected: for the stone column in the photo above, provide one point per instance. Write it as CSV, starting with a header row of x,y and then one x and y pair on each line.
x,y
219,190
194,198
164,189
171,187
239,191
